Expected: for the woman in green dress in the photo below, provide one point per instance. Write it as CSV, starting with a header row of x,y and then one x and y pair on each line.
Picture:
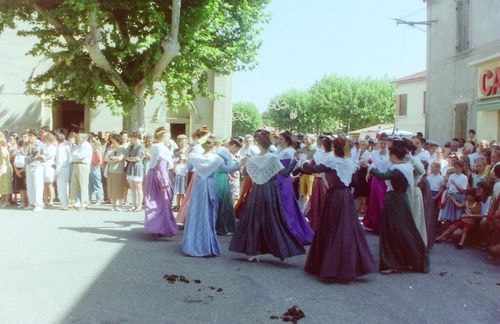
x,y
226,221
401,246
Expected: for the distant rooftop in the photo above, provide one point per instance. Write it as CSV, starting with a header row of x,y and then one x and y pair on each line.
x,y
412,77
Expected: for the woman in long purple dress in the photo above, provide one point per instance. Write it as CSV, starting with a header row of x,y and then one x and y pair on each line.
x,y
159,217
296,221
339,250
380,161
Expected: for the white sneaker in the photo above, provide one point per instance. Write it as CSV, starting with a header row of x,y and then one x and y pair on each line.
x,y
37,209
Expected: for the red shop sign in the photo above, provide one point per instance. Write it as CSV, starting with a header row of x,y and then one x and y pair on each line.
x,y
489,82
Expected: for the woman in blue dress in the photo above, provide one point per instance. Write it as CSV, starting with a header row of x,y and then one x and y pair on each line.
x,y
200,236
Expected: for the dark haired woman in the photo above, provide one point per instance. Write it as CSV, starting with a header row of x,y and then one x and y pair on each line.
x,y
293,215
320,187
226,221
339,250
401,246
263,228
159,218
200,236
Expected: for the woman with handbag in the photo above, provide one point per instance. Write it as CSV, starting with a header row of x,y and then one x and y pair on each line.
x,y
19,168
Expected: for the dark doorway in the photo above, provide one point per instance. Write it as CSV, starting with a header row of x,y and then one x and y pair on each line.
x,y
177,129
69,115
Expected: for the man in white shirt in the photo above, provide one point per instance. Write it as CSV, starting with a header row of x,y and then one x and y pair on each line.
x,y
81,156
420,153
63,170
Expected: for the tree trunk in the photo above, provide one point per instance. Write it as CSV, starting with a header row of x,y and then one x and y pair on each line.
x,y
135,120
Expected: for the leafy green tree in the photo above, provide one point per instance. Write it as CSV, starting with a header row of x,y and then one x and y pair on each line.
x,y
334,103
122,52
246,118
353,102
289,111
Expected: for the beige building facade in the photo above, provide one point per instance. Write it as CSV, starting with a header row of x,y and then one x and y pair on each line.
x,y
19,111
410,103
462,42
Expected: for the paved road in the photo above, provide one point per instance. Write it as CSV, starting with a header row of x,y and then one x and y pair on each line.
x,y
98,267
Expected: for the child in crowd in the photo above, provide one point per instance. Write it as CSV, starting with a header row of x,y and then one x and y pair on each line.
x,y
456,186
435,179
436,182
477,174
181,171
471,216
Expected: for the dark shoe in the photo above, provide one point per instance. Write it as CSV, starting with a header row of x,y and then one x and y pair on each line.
x,y
459,247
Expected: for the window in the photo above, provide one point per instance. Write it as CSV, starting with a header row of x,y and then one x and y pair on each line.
x,y
462,25
401,104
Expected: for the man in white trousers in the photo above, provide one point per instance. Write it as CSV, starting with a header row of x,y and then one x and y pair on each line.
x,y
34,171
63,170
81,156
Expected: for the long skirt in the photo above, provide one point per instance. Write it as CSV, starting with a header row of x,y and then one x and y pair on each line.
x,y
183,211
401,246
159,217
200,237
226,222
451,212
247,186
339,249
429,214
376,198
417,211
262,228
293,215
315,204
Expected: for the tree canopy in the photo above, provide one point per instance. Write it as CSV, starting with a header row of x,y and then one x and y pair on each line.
x,y
114,52
334,103
246,118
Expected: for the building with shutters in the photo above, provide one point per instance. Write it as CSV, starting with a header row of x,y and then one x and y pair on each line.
x,y
410,103
463,69
19,111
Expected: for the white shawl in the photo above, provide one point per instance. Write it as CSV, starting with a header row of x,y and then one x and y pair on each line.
x,y
345,168
261,168
159,150
205,164
287,153
407,170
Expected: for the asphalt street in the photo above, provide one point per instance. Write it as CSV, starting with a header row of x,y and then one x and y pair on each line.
x,y
97,266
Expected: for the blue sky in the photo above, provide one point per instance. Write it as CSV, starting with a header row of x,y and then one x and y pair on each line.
x,y
306,40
